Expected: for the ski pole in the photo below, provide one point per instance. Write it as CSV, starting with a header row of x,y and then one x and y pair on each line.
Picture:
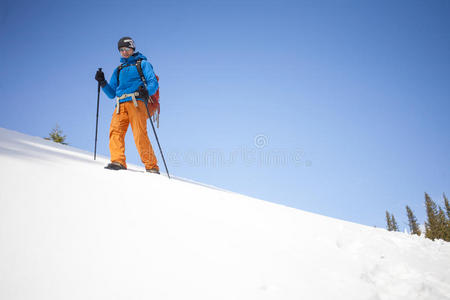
x,y
96,121
156,136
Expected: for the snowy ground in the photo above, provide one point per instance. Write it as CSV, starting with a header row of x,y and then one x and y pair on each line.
x,y
71,230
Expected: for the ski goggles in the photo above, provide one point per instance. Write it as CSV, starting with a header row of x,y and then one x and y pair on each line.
x,y
125,49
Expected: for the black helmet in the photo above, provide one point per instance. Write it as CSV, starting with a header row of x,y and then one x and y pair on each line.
x,y
126,42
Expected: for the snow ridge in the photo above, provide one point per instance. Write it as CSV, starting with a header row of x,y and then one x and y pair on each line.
x,y
71,230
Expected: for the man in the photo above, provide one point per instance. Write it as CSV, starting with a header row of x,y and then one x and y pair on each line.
x,y
126,84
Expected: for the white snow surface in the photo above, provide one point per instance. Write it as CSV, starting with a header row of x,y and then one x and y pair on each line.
x,y
70,229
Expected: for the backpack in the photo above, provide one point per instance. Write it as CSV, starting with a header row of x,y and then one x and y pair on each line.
x,y
153,101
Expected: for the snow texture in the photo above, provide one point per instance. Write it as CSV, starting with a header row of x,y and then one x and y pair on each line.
x,y
71,230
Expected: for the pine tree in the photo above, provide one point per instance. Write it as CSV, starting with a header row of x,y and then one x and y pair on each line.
x,y
57,136
432,223
394,223
443,226
388,221
412,222
447,229
447,206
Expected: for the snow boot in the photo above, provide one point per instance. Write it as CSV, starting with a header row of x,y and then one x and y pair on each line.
x,y
154,171
115,166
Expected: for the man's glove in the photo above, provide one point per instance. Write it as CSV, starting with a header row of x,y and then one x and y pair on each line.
x,y
100,77
143,93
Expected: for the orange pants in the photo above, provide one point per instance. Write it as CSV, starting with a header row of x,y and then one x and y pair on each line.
x,y
137,117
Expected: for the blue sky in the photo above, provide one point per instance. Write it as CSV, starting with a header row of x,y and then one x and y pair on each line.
x,y
335,107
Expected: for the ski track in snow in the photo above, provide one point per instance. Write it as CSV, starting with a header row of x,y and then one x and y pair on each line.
x,y
71,230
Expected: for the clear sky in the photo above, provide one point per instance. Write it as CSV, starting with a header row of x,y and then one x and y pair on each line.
x,y
335,107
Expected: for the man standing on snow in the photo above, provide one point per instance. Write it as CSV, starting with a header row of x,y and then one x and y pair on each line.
x,y
126,84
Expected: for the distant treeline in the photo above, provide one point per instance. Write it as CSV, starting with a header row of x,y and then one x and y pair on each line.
x,y
437,225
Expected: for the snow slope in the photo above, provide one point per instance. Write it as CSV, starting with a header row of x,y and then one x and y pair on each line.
x,y
71,230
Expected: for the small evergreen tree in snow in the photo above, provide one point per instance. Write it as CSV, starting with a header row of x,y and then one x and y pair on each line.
x,y
388,221
57,136
394,223
412,222
432,223
447,206
444,226
447,227
391,223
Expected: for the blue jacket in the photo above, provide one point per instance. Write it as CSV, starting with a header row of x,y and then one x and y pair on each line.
x,y
129,79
